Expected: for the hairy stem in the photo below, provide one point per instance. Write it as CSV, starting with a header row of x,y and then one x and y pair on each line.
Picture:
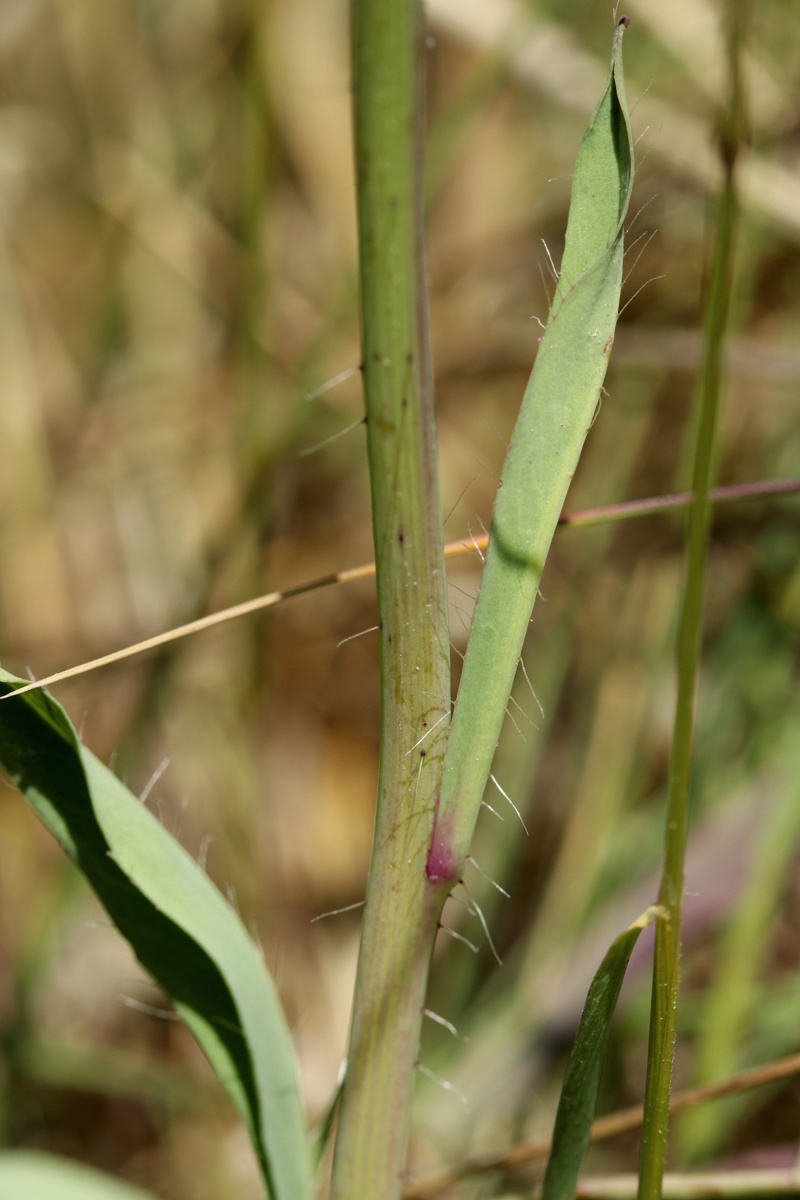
x,y
403,906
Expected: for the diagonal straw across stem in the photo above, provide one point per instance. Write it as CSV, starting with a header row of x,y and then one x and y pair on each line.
x,y
625,510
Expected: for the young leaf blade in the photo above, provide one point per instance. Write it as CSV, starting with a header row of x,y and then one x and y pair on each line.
x,y
557,410
578,1099
28,1175
179,925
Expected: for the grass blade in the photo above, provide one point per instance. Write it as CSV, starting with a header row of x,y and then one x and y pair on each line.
x,y
558,407
181,928
26,1175
579,1091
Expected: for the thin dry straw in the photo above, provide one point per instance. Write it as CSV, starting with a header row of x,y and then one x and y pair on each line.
x,y
605,1127
625,510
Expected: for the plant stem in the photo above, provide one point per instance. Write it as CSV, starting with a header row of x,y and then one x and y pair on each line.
x,y
403,906
609,1126
666,973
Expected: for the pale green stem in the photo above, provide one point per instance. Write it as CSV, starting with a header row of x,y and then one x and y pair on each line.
x,y
403,905
666,974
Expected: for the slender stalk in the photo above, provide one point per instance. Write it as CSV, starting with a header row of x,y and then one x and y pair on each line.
x,y
403,905
725,1185
666,973
582,518
603,1128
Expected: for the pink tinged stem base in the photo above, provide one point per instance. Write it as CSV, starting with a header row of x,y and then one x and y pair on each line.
x,y
443,865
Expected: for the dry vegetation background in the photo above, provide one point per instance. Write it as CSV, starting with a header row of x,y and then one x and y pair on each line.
x,y
176,282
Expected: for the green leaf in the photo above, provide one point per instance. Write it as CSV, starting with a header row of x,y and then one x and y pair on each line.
x,y
578,1101
25,1175
181,928
557,410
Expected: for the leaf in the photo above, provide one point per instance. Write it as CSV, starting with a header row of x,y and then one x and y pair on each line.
x,y
557,410
181,928
25,1175
576,1106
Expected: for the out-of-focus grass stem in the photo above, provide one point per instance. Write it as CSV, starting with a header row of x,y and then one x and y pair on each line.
x,y
666,974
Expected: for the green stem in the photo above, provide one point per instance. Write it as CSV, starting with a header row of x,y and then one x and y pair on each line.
x,y
666,974
403,905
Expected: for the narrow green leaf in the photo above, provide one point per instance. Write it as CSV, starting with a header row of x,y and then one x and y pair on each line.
x,y
179,925
557,410
578,1100
25,1175
322,1134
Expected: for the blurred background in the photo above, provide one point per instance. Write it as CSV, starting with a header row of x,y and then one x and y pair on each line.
x,y
177,285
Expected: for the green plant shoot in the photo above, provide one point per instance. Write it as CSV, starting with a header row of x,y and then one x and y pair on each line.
x,y
557,410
